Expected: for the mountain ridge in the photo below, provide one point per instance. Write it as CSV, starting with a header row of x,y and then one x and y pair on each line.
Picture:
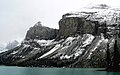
x,y
81,41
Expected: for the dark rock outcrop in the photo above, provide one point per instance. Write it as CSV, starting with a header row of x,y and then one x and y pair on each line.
x,y
75,25
41,32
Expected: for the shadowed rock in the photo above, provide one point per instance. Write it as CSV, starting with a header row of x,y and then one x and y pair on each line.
x,y
41,32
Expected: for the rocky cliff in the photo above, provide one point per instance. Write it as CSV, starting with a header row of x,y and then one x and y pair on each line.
x,y
41,32
81,41
75,25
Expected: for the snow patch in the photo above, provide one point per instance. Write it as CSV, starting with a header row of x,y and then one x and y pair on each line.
x,y
14,52
88,40
98,44
45,42
69,40
4,50
26,46
65,57
79,52
51,51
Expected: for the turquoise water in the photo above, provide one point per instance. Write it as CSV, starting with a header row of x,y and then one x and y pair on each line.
x,y
7,70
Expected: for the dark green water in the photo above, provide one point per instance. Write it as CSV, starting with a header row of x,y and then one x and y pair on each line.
x,y
6,70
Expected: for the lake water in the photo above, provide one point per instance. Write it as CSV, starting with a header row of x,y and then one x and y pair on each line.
x,y
9,70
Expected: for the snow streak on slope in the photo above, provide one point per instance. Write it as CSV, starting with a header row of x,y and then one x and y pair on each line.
x,y
96,44
71,49
68,48
79,46
3,50
88,40
45,42
51,51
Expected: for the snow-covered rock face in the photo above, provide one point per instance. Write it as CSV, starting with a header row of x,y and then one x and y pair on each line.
x,y
79,48
82,40
101,13
93,19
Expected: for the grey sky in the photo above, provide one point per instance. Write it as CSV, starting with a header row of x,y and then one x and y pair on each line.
x,y
16,16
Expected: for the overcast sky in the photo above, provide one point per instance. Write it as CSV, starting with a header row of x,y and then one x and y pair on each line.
x,y
16,16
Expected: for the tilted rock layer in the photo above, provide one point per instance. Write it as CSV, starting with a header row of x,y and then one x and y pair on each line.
x,y
81,41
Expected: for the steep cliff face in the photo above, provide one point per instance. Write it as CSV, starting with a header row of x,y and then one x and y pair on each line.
x,y
82,41
75,25
41,32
